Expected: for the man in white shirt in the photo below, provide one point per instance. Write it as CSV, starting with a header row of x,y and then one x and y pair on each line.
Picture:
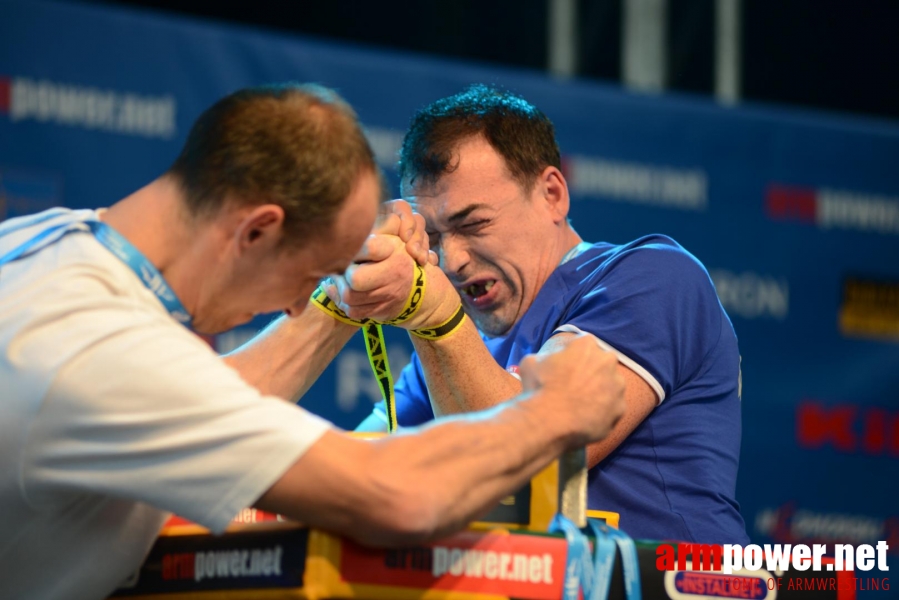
x,y
114,415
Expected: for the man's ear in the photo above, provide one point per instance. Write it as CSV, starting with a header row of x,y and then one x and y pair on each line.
x,y
260,227
554,190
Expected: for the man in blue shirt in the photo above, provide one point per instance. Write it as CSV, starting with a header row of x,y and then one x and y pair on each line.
x,y
483,168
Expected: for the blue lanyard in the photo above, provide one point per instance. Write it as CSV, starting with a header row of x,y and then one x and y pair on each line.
x,y
606,539
604,563
594,580
578,574
118,246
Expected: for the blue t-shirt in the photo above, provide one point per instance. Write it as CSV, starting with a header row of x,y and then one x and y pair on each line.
x,y
652,303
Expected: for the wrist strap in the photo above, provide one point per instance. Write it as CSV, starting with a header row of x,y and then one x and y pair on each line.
x,y
413,302
444,330
321,301
376,348
375,345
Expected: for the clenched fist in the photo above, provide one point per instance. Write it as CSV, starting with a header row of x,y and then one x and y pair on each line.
x,y
580,388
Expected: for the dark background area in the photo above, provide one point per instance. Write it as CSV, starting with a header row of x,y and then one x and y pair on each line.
x,y
824,54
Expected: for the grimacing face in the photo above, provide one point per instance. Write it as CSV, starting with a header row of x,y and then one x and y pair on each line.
x,y
497,242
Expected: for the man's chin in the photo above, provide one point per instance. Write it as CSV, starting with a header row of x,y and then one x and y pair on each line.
x,y
207,328
490,324
215,326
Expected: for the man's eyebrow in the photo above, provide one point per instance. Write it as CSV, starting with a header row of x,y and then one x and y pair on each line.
x,y
461,214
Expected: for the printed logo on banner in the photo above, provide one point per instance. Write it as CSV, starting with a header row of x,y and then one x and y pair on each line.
x,y
847,428
870,309
690,585
4,94
789,523
25,193
637,183
124,113
508,565
752,295
708,571
833,209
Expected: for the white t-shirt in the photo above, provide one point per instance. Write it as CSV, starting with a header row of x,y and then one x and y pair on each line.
x,y
113,416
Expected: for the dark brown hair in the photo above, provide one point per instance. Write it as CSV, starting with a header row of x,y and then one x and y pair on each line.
x,y
297,146
516,129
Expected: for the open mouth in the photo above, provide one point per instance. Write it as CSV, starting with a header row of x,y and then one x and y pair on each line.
x,y
476,290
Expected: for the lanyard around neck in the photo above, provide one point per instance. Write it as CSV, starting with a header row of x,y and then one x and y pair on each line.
x,y
121,248
142,267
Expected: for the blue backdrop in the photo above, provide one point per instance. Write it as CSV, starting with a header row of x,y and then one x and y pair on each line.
x,y
795,214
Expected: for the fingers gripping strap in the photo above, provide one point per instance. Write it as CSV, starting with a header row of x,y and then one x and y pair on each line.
x,y
445,329
374,336
322,302
413,302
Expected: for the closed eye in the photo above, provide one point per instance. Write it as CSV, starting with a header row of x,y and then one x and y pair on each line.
x,y
474,225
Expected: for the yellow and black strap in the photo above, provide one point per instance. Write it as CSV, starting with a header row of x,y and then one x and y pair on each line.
x,y
413,302
376,348
375,345
322,302
445,329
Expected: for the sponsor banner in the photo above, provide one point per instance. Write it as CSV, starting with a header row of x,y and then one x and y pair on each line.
x,y
870,309
684,585
75,105
847,428
475,563
834,209
637,183
236,561
752,295
4,94
791,523
503,565
795,215
26,192
687,585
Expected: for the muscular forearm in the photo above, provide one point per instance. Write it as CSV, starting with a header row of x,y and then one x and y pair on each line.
x,y
411,488
491,459
427,483
461,374
288,356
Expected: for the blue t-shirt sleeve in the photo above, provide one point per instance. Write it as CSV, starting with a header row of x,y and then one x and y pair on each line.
x,y
654,303
413,405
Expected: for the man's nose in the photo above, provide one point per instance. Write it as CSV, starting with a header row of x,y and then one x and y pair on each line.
x,y
454,254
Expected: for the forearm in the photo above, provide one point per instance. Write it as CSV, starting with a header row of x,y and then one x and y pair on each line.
x,y
467,464
287,357
407,489
461,374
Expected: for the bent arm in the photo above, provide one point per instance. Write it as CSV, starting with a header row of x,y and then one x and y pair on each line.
x,y
639,401
461,374
287,357
409,488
